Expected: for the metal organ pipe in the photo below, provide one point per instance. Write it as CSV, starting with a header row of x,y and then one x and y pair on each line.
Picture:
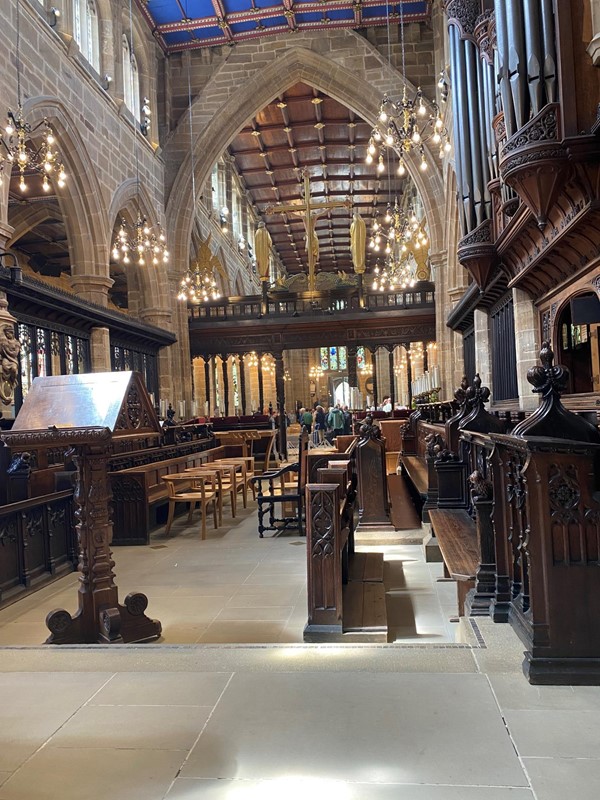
x,y
527,59
461,153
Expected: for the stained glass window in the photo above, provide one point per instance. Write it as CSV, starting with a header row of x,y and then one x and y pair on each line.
x,y
324,358
334,358
360,358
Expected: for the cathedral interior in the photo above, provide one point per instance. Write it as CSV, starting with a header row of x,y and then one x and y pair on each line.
x,y
325,275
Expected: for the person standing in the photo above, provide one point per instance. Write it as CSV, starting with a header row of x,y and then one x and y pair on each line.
x,y
335,420
306,420
347,421
320,423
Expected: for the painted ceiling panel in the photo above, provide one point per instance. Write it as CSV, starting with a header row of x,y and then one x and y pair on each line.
x,y
181,24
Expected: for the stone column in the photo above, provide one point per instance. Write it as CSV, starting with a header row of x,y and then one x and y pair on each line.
x,y
100,350
207,386
242,372
375,395
483,348
261,390
280,395
527,343
392,377
224,363
93,288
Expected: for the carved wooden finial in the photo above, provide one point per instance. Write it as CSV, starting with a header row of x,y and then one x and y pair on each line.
x,y
548,379
477,395
551,418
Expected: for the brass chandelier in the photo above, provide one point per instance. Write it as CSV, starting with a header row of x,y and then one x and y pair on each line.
x,y
198,285
140,243
16,147
405,125
399,236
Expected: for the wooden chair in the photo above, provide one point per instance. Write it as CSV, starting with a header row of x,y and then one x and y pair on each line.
x,y
225,482
262,449
280,490
237,476
193,489
246,465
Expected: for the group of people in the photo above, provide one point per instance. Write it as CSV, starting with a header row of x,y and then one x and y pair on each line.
x,y
326,425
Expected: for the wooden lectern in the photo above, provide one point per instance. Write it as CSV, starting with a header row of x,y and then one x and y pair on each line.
x,y
83,414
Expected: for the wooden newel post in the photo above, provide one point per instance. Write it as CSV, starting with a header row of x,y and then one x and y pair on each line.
x,y
84,413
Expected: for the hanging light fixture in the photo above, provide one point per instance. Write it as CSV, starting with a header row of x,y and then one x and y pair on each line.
x,y
139,241
198,285
16,147
405,125
397,237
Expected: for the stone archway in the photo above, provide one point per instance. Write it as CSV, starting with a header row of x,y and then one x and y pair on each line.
x,y
153,282
342,64
81,199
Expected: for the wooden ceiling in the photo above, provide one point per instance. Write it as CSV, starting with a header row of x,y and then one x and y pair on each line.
x,y
301,129
305,129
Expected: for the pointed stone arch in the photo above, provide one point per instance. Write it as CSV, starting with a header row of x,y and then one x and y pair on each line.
x,y
355,75
80,200
152,281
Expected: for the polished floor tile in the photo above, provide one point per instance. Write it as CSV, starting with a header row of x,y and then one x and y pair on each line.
x,y
555,734
371,727
560,778
90,774
303,787
163,689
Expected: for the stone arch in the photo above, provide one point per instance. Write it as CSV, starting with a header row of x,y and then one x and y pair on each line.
x,y
356,75
81,198
26,219
131,196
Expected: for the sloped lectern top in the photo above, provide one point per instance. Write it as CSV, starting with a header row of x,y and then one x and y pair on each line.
x,y
117,401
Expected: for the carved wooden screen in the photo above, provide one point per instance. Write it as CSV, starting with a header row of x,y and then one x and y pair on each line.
x,y
504,355
469,354
124,357
49,351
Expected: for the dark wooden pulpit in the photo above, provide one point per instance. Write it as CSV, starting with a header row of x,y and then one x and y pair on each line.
x,y
83,414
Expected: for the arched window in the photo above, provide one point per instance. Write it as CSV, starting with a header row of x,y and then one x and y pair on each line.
x,y
131,80
85,29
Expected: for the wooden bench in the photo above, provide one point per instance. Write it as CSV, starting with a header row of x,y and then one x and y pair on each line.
x,y
139,493
456,534
416,462
346,594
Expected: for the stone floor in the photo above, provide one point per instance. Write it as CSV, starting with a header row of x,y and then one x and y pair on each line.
x,y
443,714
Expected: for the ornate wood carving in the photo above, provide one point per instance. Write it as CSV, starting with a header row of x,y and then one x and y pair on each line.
x,y
477,253
551,418
534,163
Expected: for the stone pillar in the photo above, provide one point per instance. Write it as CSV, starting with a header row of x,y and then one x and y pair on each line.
x,y
224,363
483,349
100,350
375,395
93,288
261,390
527,343
280,395
242,371
392,377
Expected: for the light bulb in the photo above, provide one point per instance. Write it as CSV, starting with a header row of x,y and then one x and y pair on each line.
x,y
401,168
45,184
447,146
115,254
23,186
423,165
436,138
126,259
369,158
380,165
416,136
371,148
9,129
421,111
389,140
383,116
50,139
22,157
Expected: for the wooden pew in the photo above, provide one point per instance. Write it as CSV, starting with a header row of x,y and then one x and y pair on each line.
x,y
416,461
346,594
139,492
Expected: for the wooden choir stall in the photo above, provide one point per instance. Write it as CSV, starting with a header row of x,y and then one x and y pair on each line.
x,y
85,414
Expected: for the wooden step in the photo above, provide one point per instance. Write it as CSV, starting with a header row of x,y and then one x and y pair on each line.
x,y
365,616
366,567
